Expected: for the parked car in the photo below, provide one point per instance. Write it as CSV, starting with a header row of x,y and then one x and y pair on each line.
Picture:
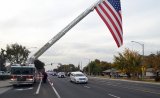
x,y
2,72
78,77
54,74
61,75
8,73
122,75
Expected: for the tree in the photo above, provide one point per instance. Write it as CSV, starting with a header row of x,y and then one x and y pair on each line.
x,y
96,67
105,65
17,53
93,67
66,68
153,61
39,65
128,62
2,60
156,61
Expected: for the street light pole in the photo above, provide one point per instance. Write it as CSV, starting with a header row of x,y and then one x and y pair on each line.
x,y
141,45
89,69
142,54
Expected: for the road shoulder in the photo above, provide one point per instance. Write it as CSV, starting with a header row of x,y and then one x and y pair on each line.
x,y
5,86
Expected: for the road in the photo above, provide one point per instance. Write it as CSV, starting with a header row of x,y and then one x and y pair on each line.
x,y
96,88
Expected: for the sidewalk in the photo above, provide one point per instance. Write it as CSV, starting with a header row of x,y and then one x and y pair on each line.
x,y
4,83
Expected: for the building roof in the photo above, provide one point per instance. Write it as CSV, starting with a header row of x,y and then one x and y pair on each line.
x,y
149,70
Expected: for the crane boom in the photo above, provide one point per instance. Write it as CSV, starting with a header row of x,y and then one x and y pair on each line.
x,y
63,32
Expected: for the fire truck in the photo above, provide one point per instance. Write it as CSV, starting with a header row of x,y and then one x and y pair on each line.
x,y
23,74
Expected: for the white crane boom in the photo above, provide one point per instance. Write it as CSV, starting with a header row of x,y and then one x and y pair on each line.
x,y
63,32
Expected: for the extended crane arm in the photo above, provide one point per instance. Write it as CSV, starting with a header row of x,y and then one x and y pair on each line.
x,y
63,32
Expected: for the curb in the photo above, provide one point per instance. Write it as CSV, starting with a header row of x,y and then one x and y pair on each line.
x,y
6,86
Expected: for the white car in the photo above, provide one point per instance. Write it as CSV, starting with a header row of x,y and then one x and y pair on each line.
x,y
78,77
61,75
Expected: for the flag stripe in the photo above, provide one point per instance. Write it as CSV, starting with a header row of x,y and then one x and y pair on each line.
x,y
112,29
108,25
115,19
110,12
116,15
112,20
110,7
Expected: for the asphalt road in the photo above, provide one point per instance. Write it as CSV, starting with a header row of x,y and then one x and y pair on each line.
x,y
96,88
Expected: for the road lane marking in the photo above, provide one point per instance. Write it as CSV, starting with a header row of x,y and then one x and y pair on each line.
x,y
21,89
114,96
39,86
136,89
147,91
58,96
87,86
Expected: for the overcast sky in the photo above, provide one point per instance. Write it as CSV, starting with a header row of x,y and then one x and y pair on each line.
x,y
32,23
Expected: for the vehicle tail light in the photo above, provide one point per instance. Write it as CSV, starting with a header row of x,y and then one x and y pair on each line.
x,y
13,77
29,78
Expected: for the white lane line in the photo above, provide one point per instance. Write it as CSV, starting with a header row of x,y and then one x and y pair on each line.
x,y
114,96
58,96
87,86
39,86
21,89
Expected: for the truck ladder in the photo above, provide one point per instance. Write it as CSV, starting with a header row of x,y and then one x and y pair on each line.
x,y
63,32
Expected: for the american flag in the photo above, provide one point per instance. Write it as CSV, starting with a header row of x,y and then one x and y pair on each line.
x,y
110,12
